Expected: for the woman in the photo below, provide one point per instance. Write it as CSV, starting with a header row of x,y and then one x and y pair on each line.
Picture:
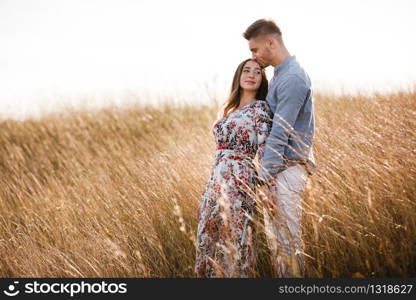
x,y
226,214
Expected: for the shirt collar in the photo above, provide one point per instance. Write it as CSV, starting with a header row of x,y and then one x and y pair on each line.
x,y
283,64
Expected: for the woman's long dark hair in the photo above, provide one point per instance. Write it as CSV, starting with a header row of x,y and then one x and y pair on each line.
x,y
233,100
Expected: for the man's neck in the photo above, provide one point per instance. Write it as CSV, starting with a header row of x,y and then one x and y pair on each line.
x,y
281,55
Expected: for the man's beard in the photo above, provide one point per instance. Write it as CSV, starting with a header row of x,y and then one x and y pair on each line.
x,y
264,64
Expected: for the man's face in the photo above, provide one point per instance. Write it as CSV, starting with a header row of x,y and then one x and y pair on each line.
x,y
261,50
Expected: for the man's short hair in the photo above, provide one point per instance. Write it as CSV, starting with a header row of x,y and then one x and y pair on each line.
x,y
262,27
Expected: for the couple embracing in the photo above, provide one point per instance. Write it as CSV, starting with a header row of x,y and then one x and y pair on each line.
x,y
264,151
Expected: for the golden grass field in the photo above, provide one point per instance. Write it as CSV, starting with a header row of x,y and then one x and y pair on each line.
x,y
115,192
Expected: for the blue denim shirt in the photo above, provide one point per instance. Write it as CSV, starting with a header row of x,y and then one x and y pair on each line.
x,y
290,98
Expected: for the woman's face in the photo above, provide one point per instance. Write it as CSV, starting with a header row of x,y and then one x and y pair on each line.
x,y
251,76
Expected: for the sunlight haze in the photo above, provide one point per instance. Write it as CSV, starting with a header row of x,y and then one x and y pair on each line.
x,y
77,50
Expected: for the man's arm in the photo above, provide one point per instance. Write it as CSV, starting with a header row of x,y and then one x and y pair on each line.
x,y
291,95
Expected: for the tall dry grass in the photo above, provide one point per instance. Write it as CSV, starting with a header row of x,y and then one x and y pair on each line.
x,y
114,192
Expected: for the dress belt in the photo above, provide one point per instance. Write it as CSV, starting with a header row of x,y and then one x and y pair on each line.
x,y
236,153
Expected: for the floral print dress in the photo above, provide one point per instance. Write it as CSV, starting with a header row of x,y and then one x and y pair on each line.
x,y
225,234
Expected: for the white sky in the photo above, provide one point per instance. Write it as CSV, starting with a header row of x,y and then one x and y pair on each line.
x,y
80,51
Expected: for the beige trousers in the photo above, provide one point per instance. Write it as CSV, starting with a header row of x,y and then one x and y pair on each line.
x,y
282,218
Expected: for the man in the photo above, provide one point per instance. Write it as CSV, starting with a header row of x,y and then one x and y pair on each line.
x,y
288,159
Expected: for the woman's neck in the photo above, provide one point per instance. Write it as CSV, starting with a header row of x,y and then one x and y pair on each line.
x,y
246,98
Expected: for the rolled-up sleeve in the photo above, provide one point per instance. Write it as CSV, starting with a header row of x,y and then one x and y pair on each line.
x,y
291,94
